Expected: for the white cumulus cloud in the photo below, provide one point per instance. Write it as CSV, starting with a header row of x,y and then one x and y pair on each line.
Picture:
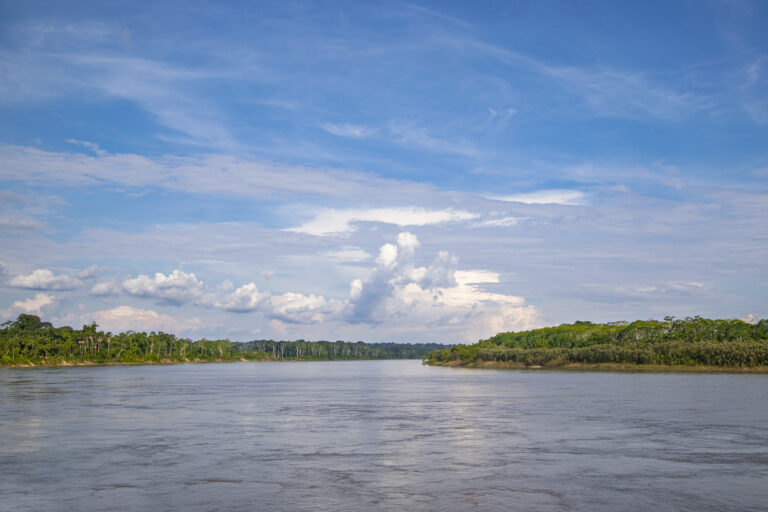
x,y
177,287
397,291
44,279
123,318
105,289
436,297
244,299
299,308
32,305
290,307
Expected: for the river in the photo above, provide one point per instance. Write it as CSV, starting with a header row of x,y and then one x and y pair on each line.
x,y
378,435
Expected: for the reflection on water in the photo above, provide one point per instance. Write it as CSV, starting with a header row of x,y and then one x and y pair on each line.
x,y
378,435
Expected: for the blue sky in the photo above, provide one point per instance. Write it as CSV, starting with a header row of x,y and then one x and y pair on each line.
x,y
390,171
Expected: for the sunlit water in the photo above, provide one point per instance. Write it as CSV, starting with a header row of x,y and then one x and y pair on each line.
x,y
378,435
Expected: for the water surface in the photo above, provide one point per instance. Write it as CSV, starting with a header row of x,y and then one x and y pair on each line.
x,y
378,435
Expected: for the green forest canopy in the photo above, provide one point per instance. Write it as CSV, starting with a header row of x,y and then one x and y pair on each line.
x,y
689,341
29,340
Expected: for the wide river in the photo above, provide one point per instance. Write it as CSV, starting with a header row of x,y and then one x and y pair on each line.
x,y
378,435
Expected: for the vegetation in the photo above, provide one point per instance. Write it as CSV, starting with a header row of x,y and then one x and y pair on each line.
x,y
693,341
28,340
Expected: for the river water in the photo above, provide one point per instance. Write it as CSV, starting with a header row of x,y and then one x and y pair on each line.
x,y
378,435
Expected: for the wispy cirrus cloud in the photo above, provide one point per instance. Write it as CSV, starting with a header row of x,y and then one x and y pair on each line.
x,y
210,174
555,196
416,136
20,223
354,131
89,146
329,222
52,60
348,254
606,91
498,222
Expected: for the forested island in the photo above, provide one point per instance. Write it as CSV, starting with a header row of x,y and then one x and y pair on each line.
x,y
693,343
30,341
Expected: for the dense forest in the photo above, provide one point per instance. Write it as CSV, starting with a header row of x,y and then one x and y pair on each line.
x,y
693,341
29,340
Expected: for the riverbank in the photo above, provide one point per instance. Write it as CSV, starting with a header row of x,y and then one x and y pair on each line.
x,y
607,367
65,364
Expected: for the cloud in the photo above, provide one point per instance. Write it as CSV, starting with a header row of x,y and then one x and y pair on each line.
x,y
105,289
397,291
605,91
211,174
554,196
245,299
348,254
497,223
685,286
44,279
177,287
501,115
89,273
20,223
300,308
673,288
755,89
750,318
89,146
618,93
123,318
408,134
289,307
348,130
330,221
33,305
50,60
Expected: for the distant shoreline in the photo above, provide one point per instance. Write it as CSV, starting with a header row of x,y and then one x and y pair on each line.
x,y
68,364
605,367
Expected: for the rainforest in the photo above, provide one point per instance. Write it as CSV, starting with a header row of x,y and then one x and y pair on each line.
x,y
30,341
684,344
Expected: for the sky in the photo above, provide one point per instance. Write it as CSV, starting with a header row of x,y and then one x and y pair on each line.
x,y
382,171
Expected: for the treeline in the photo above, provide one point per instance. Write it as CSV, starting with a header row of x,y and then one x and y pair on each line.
x,y
328,350
29,340
693,341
